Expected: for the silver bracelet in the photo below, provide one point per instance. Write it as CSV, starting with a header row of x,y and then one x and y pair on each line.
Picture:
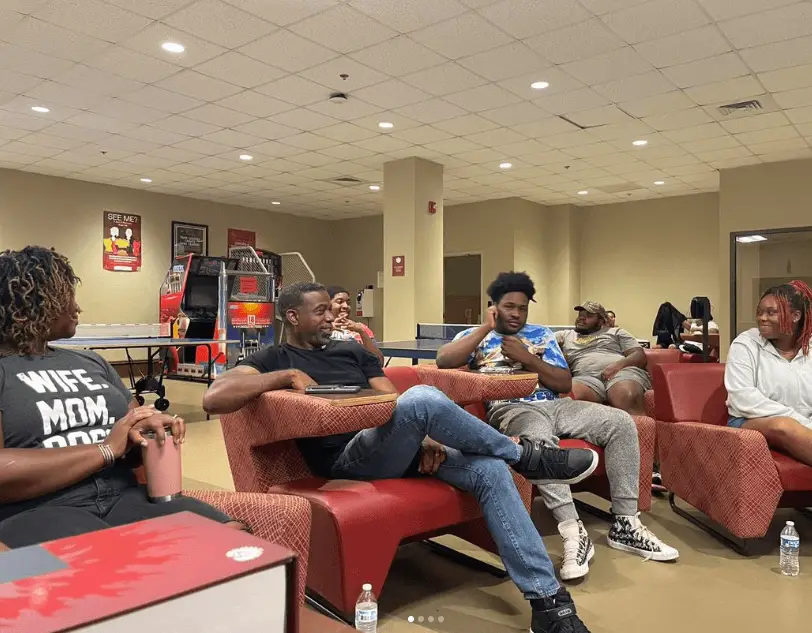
x,y
107,454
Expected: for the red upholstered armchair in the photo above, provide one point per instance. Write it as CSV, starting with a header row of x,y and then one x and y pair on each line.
x,y
730,474
656,357
357,526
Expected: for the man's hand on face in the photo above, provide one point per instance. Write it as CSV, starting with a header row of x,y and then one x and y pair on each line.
x,y
490,318
514,349
432,454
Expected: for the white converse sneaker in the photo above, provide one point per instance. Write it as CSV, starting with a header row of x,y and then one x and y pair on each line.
x,y
578,550
630,535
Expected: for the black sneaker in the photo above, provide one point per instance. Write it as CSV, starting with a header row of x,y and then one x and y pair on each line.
x,y
541,464
556,615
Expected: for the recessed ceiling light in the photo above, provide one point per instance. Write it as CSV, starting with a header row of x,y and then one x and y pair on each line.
x,y
639,143
147,180
505,165
276,202
40,109
539,85
659,182
246,157
374,187
583,192
386,125
173,47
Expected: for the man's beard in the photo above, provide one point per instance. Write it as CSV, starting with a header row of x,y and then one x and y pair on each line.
x,y
586,330
320,339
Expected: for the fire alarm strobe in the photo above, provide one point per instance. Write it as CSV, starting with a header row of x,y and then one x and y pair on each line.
x,y
432,207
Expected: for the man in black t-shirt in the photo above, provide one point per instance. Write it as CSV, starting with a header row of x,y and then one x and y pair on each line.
x,y
427,434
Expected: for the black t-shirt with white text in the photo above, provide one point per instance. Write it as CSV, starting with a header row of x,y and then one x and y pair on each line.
x,y
337,363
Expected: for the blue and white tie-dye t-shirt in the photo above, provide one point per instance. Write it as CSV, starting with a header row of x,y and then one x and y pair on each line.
x,y
540,340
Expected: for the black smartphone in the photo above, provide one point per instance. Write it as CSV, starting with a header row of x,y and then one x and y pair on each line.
x,y
329,389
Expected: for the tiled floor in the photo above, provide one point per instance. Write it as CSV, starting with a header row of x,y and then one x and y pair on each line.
x,y
709,589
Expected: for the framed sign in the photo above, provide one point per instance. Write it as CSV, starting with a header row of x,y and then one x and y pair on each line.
x,y
189,238
121,242
239,237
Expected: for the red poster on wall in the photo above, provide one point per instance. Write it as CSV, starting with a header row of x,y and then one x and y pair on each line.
x,y
121,242
399,266
239,237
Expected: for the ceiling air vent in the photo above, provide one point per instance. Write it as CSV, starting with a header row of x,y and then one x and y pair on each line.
x,y
347,181
751,106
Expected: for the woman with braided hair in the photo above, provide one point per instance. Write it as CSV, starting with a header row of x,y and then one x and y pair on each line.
x,y
768,374
67,422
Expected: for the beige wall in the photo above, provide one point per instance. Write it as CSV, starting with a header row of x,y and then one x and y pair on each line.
x,y
637,255
67,215
758,197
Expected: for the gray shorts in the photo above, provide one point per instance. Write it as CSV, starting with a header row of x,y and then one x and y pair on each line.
x,y
597,384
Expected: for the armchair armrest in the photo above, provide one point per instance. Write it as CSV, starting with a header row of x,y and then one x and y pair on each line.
x,y
727,473
280,519
277,416
468,387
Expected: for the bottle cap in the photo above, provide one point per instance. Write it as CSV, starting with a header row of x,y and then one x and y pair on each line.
x,y
366,587
791,523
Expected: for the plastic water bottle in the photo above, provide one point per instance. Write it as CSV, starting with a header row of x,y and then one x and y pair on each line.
x,y
790,545
366,611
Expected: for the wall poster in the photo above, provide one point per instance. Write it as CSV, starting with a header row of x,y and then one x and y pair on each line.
x,y
189,238
239,237
121,239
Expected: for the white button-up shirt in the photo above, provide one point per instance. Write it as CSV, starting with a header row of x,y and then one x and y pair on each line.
x,y
763,384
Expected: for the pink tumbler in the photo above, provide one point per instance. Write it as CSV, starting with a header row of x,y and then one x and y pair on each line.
x,y
162,467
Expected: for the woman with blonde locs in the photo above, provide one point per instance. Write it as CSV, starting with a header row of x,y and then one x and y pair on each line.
x,y
768,373
67,422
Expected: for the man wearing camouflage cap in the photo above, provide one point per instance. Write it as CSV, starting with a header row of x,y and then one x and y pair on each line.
x,y
608,364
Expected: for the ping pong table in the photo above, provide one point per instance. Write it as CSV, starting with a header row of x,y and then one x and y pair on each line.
x,y
111,338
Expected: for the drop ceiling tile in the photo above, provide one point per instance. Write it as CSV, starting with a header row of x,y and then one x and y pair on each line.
x,y
700,43
800,115
604,115
578,41
755,123
220,23
794,98
544,127
266,129
570,139
50,39
505,62
495,137
198,86
626,132
166,100
27,149
288,51
329,75
593,150
132,65
155,9
156,135
303,119
516,114
453,146
205,148
635,87
392,94
658,104
31,63
315,159
784,23
779,146
523,149
346,152
94,18
66,130
711,144
560,82
240,70
118,142
347,133
444,79
308,141
357,109
409,15
10,134
98,122
468,124
17,83
695,133
765,136
804,129
461,36
382,144
398,56
483,98
565,103
431,111
182,125
678,119
524,18
729,91
787,78
343,29
705,71
218,115
50,93
94,80
796,153
623,62
778,55
119,109
655,19
148,42
255,104
293,89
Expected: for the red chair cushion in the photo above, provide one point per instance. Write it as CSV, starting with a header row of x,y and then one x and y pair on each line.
x,y
404,378
794,475
690,393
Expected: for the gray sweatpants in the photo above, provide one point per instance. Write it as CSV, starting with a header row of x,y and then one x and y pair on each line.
x,y
611,429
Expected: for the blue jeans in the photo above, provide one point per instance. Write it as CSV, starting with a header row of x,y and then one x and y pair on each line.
x,y
477,458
